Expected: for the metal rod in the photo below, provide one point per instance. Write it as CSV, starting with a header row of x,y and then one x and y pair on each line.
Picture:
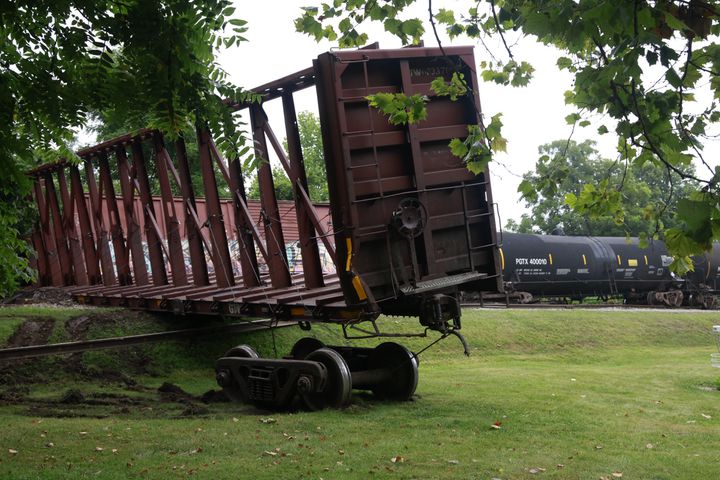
x,y
244,228
86,233
218,238
172,224
277,262
157,263
312,268
53,275
101,343
116,232
103,247
134,234
70,231
57,228
194,230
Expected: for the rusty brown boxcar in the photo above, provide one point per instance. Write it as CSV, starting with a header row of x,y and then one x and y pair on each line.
x,y
411,226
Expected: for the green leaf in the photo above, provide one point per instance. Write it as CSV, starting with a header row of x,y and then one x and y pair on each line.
x,y
445,16
527,191
672,77
572,118
674,22
458,147
564,63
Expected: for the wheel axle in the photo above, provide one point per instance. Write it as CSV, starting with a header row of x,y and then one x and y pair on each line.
x,y
317,376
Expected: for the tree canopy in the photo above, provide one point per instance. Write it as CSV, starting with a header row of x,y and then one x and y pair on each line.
x,y
646,69
566,168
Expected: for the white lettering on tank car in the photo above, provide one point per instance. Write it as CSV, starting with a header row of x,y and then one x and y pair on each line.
x,y
562,271
531,261
583,270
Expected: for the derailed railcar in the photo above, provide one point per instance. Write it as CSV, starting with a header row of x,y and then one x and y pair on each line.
x,y
409,218
411,226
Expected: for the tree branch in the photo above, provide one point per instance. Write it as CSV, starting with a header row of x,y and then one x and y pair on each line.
x,y
499,29
434,27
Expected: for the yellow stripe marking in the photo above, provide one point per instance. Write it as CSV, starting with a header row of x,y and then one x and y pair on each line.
x,y
359,288
618,259
646,260
584,260
502,259
550,257
348,262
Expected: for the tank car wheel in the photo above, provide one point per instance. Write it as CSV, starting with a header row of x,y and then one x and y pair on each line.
x,y
651,298
677,298
338,386
304,347
403,365
228,385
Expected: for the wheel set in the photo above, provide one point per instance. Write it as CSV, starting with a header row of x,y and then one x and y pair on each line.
x,y
315,376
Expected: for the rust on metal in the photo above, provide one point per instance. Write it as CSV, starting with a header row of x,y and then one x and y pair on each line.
x,y
409,222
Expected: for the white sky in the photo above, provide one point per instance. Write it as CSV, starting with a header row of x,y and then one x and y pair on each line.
x,y
532,115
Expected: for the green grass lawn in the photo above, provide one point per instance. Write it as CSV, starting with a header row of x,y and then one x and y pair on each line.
x,y
577,394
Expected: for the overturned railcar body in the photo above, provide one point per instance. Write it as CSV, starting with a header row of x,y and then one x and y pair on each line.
x,y
411,226
409,217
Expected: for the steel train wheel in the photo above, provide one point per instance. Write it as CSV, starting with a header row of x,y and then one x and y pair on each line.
x,y
304,347
242,351
403,366
232,390
338,386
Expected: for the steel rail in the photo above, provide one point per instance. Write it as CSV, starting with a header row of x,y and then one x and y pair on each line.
x,y
575,306
16,353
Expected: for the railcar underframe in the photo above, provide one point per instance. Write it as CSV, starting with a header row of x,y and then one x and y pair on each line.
x,y
410,226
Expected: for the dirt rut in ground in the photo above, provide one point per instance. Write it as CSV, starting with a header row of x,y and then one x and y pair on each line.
x,y
34,331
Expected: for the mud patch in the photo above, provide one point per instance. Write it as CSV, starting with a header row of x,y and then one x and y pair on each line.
x,y
34,331
214,396
77,327
170,392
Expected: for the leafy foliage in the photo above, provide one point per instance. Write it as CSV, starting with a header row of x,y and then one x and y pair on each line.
x,y
650,67
457,87
574,190
400,108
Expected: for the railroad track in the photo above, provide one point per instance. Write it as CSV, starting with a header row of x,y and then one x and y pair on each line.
x,y
31,351
574,306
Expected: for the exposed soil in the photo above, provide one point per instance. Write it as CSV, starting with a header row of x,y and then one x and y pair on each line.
x,y
43,295
32,332
18,377
169,400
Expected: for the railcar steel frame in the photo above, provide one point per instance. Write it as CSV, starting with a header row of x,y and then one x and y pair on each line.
x,y
411,226
84,247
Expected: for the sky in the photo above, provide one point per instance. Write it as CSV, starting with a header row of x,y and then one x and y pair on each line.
x,y
532,115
